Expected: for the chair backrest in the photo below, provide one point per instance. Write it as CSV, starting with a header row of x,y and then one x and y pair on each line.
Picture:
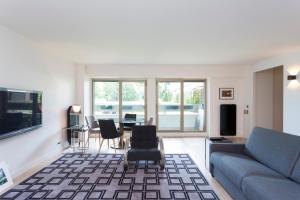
x,y
108,128
150,121
130,116
144,137
91,122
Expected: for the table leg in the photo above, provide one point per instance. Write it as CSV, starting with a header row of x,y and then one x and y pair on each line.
x,y
122,133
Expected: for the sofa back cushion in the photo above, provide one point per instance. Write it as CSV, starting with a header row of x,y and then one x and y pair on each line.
x,y
296,172
274,149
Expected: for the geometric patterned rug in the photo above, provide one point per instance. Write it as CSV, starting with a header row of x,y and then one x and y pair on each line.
x,y
101,176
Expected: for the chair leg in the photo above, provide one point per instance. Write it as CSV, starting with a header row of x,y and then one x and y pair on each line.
x,y
108,143
99,139
101,145
114,145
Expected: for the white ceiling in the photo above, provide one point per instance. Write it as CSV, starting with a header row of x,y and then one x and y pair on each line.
x,y
158,31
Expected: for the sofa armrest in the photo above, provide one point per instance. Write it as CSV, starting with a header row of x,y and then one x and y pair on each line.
x,y
226,147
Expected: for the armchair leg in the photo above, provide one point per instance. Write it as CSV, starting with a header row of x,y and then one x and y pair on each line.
x,y
99,140
101,145
125,165
114,145
162,153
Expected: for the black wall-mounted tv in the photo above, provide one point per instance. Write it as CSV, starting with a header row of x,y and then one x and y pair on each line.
x,y
20,111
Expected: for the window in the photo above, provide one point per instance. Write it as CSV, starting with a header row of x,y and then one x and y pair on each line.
x,y
112,99
181,105
169,93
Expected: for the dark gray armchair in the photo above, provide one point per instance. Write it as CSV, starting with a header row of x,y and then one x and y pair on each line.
x,y
145,145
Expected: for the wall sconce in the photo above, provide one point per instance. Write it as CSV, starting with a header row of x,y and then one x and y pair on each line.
x,y
291,77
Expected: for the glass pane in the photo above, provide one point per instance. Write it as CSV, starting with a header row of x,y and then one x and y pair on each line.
x,y
169,105
133,99
106,100
194,106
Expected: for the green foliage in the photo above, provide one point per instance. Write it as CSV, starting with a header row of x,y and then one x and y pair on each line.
x,y
130,93
164,92
197,97
109,92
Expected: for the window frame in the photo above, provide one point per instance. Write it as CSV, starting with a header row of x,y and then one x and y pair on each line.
x,y
120,82
181,81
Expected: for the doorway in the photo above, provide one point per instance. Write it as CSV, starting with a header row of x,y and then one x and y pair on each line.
x,y
269,98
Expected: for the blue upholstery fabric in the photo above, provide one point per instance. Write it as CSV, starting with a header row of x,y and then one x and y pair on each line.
x,y
276,150
237,166
234,192
270,188
296,172
227,147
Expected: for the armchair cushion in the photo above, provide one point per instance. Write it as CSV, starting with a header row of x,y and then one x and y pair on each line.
x,y
144,137
144,154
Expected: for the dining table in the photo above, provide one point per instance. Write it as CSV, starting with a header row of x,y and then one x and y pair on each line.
x,y
132,122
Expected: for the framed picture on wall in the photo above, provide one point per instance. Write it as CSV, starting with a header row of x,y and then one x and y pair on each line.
x,y
5,178
226,93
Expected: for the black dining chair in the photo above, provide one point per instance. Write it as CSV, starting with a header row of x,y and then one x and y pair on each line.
x,y
150,121
108,131
93,128
128,126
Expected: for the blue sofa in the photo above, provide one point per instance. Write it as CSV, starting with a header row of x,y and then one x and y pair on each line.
x,y
266,167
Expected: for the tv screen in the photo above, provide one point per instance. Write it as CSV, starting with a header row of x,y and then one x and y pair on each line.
x,y
20,111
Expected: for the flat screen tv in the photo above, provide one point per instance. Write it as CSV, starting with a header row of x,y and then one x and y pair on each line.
x,y
20,111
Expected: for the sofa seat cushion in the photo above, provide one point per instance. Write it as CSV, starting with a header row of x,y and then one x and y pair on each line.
x,y
238,166
144,154
270,188
296,172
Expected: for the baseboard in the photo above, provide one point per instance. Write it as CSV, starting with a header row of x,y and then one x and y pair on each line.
x,y
35,165
181,134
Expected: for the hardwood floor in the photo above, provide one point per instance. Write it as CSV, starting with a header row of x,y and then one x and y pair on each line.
x,y
193,146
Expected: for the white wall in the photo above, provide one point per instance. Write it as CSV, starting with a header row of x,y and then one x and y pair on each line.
x,y
217,76
291,89
24,66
